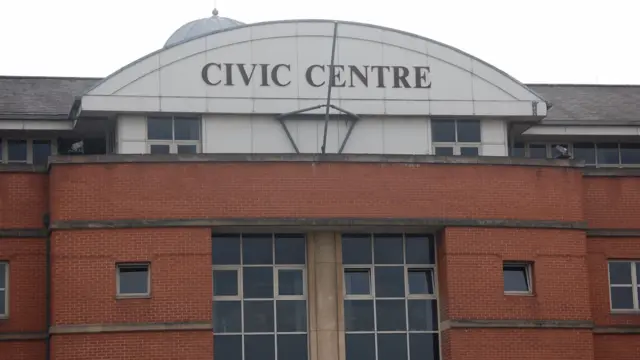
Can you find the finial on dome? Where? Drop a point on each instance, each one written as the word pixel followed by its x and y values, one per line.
pixel 215 12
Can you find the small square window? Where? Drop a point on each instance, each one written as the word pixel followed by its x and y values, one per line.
pixel 420 281
pixel 225 283
pixel 290 282
pixel 357 281
pixel 469 151
pixel 517 278
pixel 133 280
pixel 159 149
pixel 444 151
pixel 17 150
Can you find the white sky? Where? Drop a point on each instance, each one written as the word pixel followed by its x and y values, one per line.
pixel 543 41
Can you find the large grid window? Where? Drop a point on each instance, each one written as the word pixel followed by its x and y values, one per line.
pixel 25 151
pixel 623 285
pixel 4 293
pixel 173 135
pixel 456 137
pixel 390 304
pixel 259 297
pixel 600 154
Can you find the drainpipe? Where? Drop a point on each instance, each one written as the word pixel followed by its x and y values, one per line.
pixel 47 289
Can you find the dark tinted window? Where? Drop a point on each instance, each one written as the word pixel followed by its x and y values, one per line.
pixel 537 151
pixel 357 281
pixel 620 273
pixel 228 347
pixel 607 153
pixel 630 153
pixel 133 279
pixel 225 249
pixel 290 249
pixel 469 151
pixel 388 249
pixel 41 151
pixel 443 130
pixel 356 249
pixel 257 282
pixel 159 149
pixel 187 128
pixel 159 129
pixel 225 283
pixel 444 151
pixel 187 149
pixel 468 131
pixel 622 298
pixel 227 316
pixel 517 150
pixel 585 152
pixel 516 278
pixel 17 150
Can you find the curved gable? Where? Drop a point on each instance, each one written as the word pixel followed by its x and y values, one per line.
pixel 278 67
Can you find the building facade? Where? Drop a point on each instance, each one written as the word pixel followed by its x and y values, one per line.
pixel 317 190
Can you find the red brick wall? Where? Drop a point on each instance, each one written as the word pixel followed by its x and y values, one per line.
pixel 22 350
pixel 617 347
pixel 23 200
pixel 205 190
pixel 520 344
pixel 187 345
pixel 27 304
pixel 84 275
pixel 472 261
pixel 612 202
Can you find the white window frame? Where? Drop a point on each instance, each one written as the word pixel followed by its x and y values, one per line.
pixel 372 295
pixel 5 291
pixel 528 270
pixel 121 265
pixel 456 145
pixel 634 286
pixel 4 146
pixel 173 143
pixel 239 268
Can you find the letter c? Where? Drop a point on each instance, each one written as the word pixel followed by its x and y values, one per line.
pixel 205 73
pixel 310 78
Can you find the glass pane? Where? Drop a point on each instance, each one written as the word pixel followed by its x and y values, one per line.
pixel 225 249
pixel 607 153
pixel 227 317
pixel 388 249
pixel 515 278
pixel 537 151
pixel 360 347
pixel 3 302
pixel 620 272
pixel 391 315
pixel 159 129
pixel 358 315
pixel 389 281
pixel 443 130
pixel 356 249
pixel 290 282
pixel 638 272
pixel 290 249
pixel 423 315
pixel 258 347
pixel 3 276
pixel 555 153
pixel 622 298
pixel 444 151
pixel 517 150
pixel 419 250
pixel 257 249
pixel 392 346
pixel 159 149
pixel 420 281
pixel 17 150
pixel 187 129
pixel 424 347
pixel 469 151
pixel 257 282
pixel 41 151
pixel 225 282
pixel 586 152
pixel 292 347
pixel 630 153
pixel 133 279
pixel 291 315
pixel 357 281
pixel 227 347
pixel 258 316
pixel 187 149
pixel 469 131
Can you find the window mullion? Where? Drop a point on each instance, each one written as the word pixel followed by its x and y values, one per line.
pixel 634 285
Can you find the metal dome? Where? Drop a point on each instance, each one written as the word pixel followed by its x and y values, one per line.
pixel 200 27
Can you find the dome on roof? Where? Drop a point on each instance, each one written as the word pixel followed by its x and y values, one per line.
pixel 200 27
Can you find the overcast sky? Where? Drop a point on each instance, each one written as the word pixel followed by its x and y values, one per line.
pixel 543 41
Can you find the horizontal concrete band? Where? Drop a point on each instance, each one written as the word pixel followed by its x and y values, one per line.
pixel 517 324
pixel 622 329
pixel 616 233
pixel 23 168
pixel 607 172
pixel 110 328
pixel 23 336
pixel 23 233
pixel 222 224
pixel 313 158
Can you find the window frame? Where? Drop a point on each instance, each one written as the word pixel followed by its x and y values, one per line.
pixel 5 312
pixel 634 286
pixel 173 143
pixel 456 145
pixel 528 268
pixel 120 295
pixel 4 149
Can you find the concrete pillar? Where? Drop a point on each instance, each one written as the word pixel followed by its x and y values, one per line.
pixel 325 297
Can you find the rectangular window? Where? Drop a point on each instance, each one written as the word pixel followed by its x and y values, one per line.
pixel 25 151
pixel 456 137
pixel 260 296
pixel 133 280
pixel 623 285
pixel 390 303
pixel 4 290
pixel 17 151
pixel 173 135
pixel 517 278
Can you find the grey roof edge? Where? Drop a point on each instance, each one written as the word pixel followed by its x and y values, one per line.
pixel 324 21
pixel 45 77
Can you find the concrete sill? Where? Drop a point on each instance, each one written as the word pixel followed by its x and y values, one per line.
pixel 526 294
pixel 625 312
pixel 132 297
